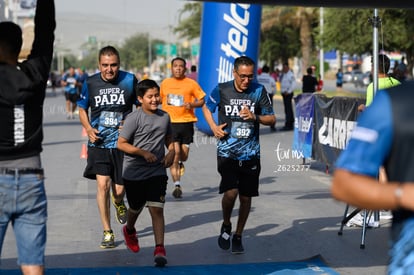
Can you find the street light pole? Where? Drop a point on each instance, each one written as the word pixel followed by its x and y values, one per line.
pixel 376 22
pixel 149 51
pixel 321 53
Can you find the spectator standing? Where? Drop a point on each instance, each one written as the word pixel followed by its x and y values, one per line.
pixel 339 79
pixel 145 133
pixel 287 85
pixel 319 88
pixel 82 76
pixel 395 70
pixel 22 189
pixel 193 73
pixel 309 82
pixel 70 86
pixel 270 85
pixel 180 95
pixel 53 78
pixel 384 80
pixel 238 147
pixel 382 138
pixel 313 68
pixel 276 76
pixel 402 70
pixel 110 95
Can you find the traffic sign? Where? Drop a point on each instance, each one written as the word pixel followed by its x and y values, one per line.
pixel 166 49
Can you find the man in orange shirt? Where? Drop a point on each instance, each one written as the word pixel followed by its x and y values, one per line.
pixel 180 95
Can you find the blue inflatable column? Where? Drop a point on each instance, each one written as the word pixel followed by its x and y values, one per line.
pixel 228 30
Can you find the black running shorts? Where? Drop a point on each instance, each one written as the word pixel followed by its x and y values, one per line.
pixel 241 175
pixel 104 162
pixel 183 132
pixel 150 192
pixel 72 97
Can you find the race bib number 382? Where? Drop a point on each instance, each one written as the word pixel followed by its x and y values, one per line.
pixel 242 129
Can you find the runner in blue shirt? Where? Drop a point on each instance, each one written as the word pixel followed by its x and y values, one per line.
pixel 110 95
pixel 384 136
pixel 242 105
pixel 69 82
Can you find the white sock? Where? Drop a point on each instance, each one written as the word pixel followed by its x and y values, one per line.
pixel 177 183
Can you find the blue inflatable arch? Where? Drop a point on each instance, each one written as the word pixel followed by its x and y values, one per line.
pixel 228 30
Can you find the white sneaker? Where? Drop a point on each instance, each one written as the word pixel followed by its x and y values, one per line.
pixel 385 215
pixel 358 220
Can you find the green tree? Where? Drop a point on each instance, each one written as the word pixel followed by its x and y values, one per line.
pixel 278 41
pixel 299 19
pixel 135 51
pixel 351 31
pixel 408 46
pixel 286 31
pixel 90 60
pixel 347 30
pixel 189 26
pixel 70 61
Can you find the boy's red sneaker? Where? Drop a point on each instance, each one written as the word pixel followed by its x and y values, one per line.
pixel 160 258
pixel 131 240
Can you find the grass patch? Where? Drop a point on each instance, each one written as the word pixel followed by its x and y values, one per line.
pixel 344 93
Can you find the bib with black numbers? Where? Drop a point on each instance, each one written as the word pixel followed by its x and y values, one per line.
pixel 175 100
pixel 241 129
pixel 110 119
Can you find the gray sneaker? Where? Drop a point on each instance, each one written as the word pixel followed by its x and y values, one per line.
pixel 108 239
pixel 177 193
pixel 121 210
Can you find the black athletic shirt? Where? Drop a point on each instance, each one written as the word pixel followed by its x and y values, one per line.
pixel 22 91
pixel 109 102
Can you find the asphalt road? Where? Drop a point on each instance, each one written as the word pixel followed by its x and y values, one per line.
pixel 294 217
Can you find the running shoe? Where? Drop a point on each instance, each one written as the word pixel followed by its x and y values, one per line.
pixel 358 220
pixel 177 193
pixel 121 210
pixel 236 245
pixel 224 238
pixel 385 215
pixel 182 168
pixel 131 240
pixel 108 239
pixel 160 259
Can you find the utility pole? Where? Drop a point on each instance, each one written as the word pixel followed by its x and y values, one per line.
pixel 149 51
pixel 376 23
pixel 321 53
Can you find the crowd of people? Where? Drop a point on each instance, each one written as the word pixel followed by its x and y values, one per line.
pixel 120 116
pixel 132 141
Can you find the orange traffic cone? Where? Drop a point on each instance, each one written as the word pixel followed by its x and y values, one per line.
pixel 84 133
pixel 84 152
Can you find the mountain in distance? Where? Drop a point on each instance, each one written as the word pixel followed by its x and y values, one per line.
pixel 74 29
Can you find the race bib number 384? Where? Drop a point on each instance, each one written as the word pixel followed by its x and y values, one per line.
pixel 110 119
